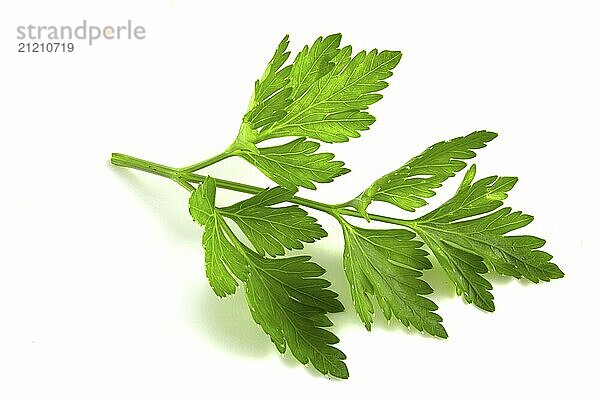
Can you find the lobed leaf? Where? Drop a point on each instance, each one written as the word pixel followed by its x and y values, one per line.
pixel 468 239
pixel 223 260
pixel 296 164
pixel 386 264
pixel 287 297
pixel 272 230
pixel 322 95
pixel 288 300
pixel 330 109
pixel 409 186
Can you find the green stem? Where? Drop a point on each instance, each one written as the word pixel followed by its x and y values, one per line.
pixel 184 178
pixel 123 160
pixel 380 218
pixel 203 164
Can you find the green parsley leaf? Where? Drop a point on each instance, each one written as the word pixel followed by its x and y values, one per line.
pixel 289 301
pixel 468 247
pixel 296 164
pixel 287 296
pixel 274 229
pixel 330 109
pixel 321 95
pixel 220 254
pixel 386 264
pixel 409 186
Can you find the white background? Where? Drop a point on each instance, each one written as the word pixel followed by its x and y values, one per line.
pixel 102 287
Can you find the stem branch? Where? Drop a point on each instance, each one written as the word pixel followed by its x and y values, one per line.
pixel 207 162
pixel 184 177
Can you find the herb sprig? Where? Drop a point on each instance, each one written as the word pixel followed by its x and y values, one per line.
pixel 324 96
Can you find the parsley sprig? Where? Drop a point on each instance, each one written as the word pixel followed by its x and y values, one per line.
pixel 323 95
